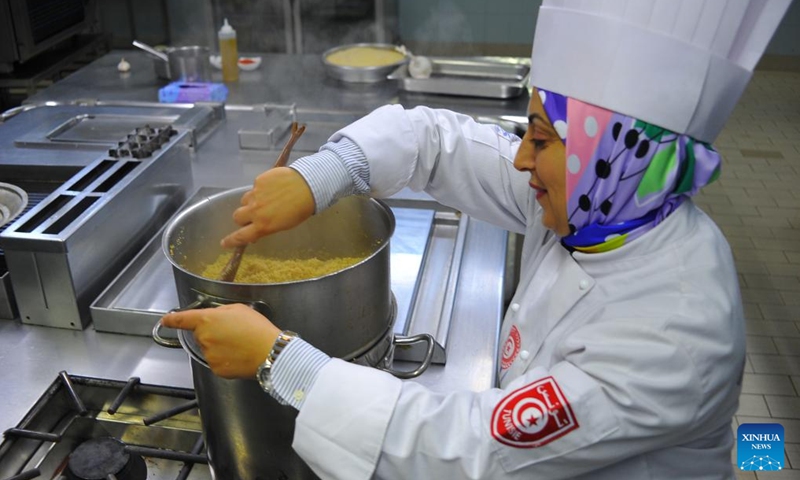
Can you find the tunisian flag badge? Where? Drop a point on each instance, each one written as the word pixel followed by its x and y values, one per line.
pixel 533 415
pixel 510 348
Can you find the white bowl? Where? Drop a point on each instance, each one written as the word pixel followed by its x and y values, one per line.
pixel 216 62
pixel 250 63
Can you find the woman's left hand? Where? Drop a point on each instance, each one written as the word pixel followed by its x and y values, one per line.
pixel 235 339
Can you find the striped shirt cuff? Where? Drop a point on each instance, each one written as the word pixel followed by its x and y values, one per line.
pixel 295 371
pixel 339 169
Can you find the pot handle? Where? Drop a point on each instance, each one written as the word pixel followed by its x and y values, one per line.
pixel 426 362
pixel 169 342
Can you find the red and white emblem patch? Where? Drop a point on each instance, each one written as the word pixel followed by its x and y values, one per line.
pixel 533 416
pixel 510 348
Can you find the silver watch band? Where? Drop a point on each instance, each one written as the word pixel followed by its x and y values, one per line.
pixel 264 373
pixel 283 339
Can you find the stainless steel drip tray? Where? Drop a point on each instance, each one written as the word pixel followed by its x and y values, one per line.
pixel 103 128
pixel 83 129
pixel 426 251
pixel 100 127
pixel 485 77
pixel 145 289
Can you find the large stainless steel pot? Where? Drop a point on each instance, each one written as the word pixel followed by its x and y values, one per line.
pixel 248 434
pixel 342 313
pixel 348 314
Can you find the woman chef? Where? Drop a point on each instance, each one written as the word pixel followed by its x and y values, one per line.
pixel 623 347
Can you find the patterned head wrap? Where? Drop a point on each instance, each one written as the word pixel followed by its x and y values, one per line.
pixel 624 176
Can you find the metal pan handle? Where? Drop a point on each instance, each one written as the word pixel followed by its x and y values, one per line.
pixel 171 342
pixel 426 362
pixel 201 302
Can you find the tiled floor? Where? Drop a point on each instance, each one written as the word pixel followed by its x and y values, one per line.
pixel 756 203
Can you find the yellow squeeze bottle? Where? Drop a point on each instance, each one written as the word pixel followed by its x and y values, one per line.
pixel 229 53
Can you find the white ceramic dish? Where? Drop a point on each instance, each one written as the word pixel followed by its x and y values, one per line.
pixel 245 63
pixel 249 63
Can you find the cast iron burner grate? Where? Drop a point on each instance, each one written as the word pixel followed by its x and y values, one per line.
pixel 86 428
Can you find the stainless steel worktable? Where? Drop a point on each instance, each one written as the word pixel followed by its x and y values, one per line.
pixel 32 356
pixel 281 79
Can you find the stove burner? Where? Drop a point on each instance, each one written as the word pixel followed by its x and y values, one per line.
pixel 100 458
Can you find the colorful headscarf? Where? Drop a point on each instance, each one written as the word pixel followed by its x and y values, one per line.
pixel 624 176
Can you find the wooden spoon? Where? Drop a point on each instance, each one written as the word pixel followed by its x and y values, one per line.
pixel 229 272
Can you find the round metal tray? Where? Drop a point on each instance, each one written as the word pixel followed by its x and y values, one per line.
pixel 13 200
pixel 363 74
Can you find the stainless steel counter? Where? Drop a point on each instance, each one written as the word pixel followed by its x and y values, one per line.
pixel 31 356
pixel 281 79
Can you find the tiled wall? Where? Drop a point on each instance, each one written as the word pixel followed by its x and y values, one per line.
pixel 756 203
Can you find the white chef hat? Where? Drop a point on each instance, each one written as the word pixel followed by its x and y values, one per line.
pixel 678 64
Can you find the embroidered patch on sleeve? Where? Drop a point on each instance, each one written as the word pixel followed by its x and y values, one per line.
pixel 510 348
pixel 533 415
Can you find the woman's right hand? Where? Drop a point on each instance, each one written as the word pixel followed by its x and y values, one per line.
pixel 235 339
pixel 280 199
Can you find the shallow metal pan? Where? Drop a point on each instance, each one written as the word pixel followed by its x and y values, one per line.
pixel 363 74
pixel 471 77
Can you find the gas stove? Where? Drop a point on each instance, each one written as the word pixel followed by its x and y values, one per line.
pixel 92 428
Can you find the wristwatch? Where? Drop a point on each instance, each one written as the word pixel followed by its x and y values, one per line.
pixel 264 372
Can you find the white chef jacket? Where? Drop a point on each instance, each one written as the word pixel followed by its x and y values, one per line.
pixel 618 365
